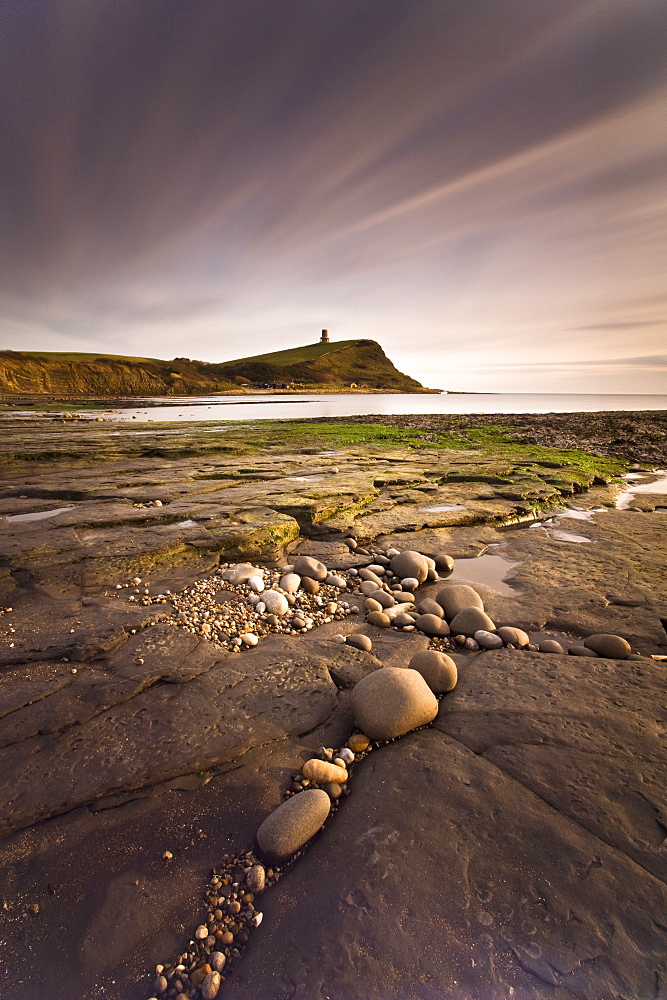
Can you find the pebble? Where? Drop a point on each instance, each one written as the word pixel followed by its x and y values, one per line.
pixel 581 651
pixel 255 879
pixel 241 572
pixel 384 599
pixel 311 568
pixel 404 597
pixel 358 743
pixel 409 583
pixel 471 620
pixel 614 647
pixel 431 625
pixel 392 701
pixel 249 639
pixel 550 646
pixel 402 620
pixel 430 607
pixel 471 644
pixel 399 609
pixel 338 637
pixel 488 640
pixel 160 985
pixel 256 583
pixel 293 823
pixel 410 564
pixel 217 961
pixel 333 790
pixel 322 772
pixel 336 581
pixel 516 636
pixel 211 986
pixel 456 597
pixel 445 564
pixel 390 553
pixel 275 603
pixel 346 755
pixel 367 575
pixel 378 619
pixel 372 605
pixel 438 670
pixel 351 543
pixel 309 585
pixel 201 932
pixel 359 641
pixel 290 583
pixel 257 919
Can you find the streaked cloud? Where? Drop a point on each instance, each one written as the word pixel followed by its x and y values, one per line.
pixel 483 195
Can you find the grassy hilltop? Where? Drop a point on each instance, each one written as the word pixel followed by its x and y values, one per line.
pixel 318 367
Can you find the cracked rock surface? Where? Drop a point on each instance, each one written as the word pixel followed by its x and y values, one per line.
pixel 515 848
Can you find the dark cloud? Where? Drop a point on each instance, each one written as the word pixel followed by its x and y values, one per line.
pixel 487 174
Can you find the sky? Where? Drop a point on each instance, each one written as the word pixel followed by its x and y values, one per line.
pixel 479 185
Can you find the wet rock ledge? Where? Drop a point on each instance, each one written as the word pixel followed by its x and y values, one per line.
pixel 512 845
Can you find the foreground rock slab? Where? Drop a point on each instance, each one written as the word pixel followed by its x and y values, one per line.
pixel 433 826
pixel 141 731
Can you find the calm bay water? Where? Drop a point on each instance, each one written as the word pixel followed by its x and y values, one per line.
pixel 279 407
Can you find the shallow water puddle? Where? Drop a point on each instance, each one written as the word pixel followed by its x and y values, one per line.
pixel 38 515
pixel 580 515
pixel 642 483
pixel 436 508
pixel 489 570
pixel 304 479
pixel 558 535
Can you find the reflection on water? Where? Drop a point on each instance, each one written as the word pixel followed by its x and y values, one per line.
pixel 489 570
pixel 575 514
pixel 648 484
pixel 437 507
pixel 285 406
pixel 558 535
pixel 38 515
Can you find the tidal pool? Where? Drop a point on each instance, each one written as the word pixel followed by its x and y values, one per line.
pixel 37 515
pixel 489 570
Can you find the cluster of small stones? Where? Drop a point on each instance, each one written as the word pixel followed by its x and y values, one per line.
pixel 242 623
pixel 324 778
pixel 231 916
pixel 341 762
pixel 231 894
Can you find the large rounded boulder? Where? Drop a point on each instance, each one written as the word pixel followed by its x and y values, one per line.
pixel 292 824
pixel 614 647
pixel 410 564
pixel 438 670
pixel 392 701
pixel 455 597
pixel 469 621
pixel 311 568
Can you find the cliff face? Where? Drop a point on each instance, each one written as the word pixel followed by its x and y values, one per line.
pixel 359 362
pixel 25 374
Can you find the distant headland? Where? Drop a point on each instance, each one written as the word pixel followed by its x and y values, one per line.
pixel 339 366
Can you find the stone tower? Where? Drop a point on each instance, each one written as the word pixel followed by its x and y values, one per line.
pixel 324 339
